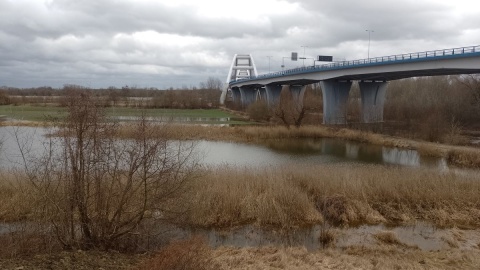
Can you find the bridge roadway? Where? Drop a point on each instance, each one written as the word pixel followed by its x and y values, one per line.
pixel 373 75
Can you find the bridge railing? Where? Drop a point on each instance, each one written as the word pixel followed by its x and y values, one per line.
pixel 370 61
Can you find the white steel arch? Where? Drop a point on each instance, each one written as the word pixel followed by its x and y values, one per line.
pixel 243 67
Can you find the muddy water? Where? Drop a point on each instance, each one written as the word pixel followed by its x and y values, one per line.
pixel 420 235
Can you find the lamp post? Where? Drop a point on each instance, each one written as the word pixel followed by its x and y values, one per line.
pixel 269 57
pixel 283 62
pixel 369 32
pixel 304 53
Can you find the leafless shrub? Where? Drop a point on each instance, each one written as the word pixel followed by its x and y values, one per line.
pixel 289 110
pixel 96 189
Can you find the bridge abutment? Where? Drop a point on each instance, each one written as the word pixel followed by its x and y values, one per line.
pixel 335 96
pixel 373 100
pixel 273 94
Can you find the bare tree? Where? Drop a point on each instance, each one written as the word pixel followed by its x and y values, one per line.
pixel 289 110
pixel 212 84
pixel 96 188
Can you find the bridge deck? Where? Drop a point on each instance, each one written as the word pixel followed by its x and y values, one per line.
pixel 375 68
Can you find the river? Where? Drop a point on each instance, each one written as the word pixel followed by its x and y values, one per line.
pixel 271 153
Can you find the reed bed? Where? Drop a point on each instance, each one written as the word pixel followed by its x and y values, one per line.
pixel 295 196
pixel 340 195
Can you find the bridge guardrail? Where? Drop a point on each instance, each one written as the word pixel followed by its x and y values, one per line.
pixel 368 61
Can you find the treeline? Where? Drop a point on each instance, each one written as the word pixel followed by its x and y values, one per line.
pixel 205 96
pixel 439 109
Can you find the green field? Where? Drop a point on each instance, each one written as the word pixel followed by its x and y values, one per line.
pixel 42 113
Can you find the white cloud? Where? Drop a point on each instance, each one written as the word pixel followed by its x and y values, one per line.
pixel 155 43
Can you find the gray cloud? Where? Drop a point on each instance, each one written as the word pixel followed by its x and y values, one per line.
pixel 100 43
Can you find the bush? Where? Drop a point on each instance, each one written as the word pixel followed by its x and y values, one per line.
pixel 96 189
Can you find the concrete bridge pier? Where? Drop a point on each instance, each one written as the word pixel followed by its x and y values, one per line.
pixel 373 100
pixel 236 95
pixel 262 94
pixel 335 96
pixel 248 95
pixel 273 94
pixel 298 92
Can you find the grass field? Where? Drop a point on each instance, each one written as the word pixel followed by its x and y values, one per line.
pixel 41 113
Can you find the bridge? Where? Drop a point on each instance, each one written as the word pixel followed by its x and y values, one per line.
pixel 372 74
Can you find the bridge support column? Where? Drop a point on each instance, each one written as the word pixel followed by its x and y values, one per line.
pixel 335 96
pixel 262 94
pixel 298 92
pixel 273 94
pixel 373 100
pixel 236 95
pixel 248 95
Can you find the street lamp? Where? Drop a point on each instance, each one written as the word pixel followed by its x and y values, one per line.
pixel 369 32
pixel 283 62
pixel 304 53
pixel 269 63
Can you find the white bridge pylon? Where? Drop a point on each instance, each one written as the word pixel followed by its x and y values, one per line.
pixel 242 67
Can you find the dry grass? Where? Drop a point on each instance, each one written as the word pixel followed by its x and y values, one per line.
pixel 192 253
pixel 229 197
pixel 385 257
pixel 388 237
pixel 358 194
pixel 16 198
pixel 293 196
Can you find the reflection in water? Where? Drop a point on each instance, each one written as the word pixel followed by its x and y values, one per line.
pixel 278 152
pixel 352 150
pixel 400 156
pixel 346 151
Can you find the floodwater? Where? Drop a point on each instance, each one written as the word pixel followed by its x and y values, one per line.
pixel 278 153
pixel 421 235
pixel 272 153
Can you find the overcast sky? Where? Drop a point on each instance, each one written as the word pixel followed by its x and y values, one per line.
pixel 176 43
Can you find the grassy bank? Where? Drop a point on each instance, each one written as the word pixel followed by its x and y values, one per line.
pixel 42 113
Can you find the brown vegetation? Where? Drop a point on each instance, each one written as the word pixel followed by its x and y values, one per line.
pixel 302 195
pixel 352 258
pixel 95 190
pixel 192 253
